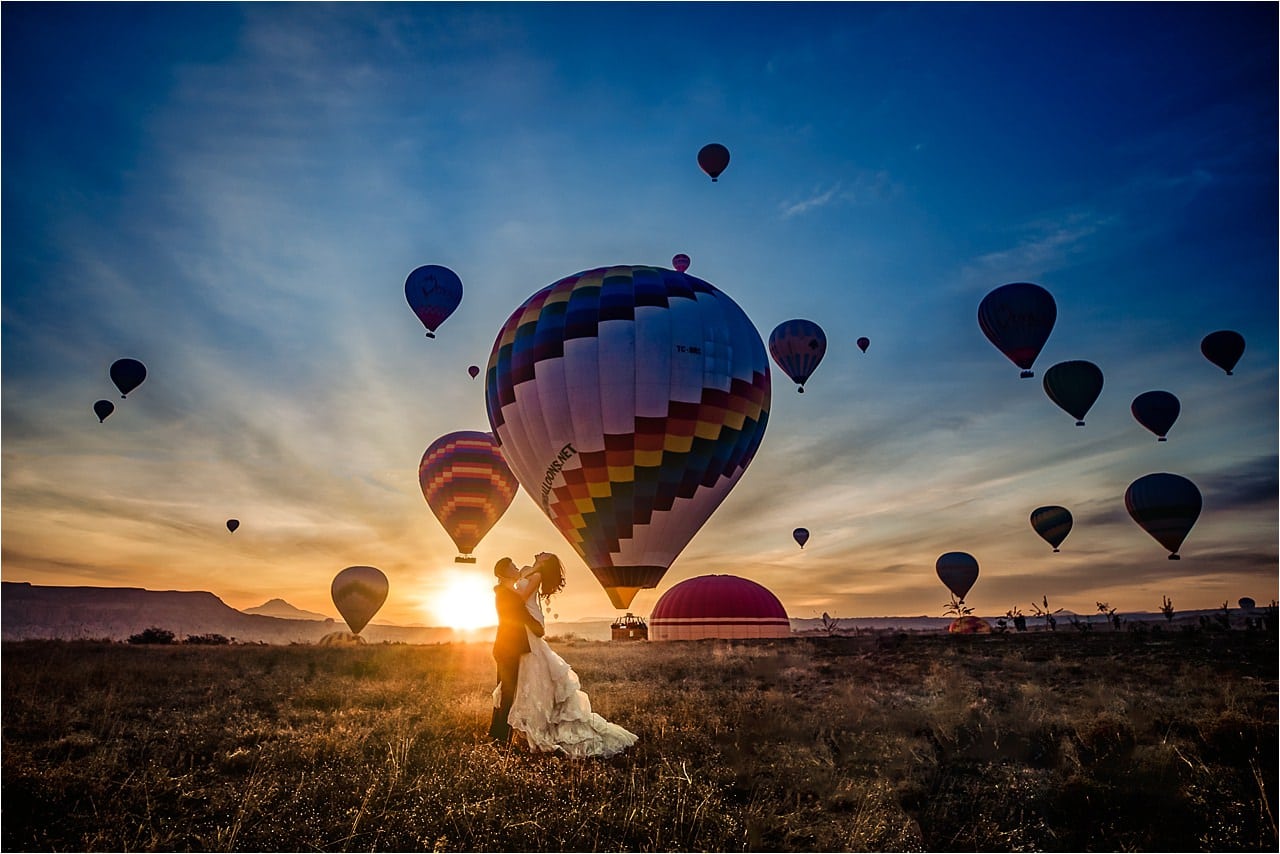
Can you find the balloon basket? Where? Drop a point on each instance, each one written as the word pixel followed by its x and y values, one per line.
pixel 1079 423
pixel 1162 439
pixel 1025 374
pixel 1175 557
pixel 431 335
pixel 464 559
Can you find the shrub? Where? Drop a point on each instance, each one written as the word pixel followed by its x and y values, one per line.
pixel 208 640
pixel 152 635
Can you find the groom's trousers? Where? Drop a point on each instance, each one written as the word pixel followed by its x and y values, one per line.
pixel 508 677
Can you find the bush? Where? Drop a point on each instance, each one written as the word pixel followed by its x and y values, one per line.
pixel 152 635
pixel 208 640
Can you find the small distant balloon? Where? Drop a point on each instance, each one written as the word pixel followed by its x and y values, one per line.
pixel 232 524
pixel 1074 386
pixel 433 293
pixel 1246 603
pixel 797 346
pixel 474 370
pixel 1017 318
pixel 1156 410
pixel 713 158
pixel 958 570
pixel 1166 506
pixel 864 343
pixel 1224 348
pixel 358 592
pixel 680 262
pixel 127 374
pixel 102 409
pixel 1052 523
pixel 801 536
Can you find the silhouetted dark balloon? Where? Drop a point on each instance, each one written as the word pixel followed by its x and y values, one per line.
pixel 1246 603
pixel 713 158
pixel 102 409
pixel 801 536
pixel 958 570
pixel 1224 348
pixel 474 370
pixel 1156 410
pixel 433 293
pixel 864 343
pixel 1166 506
pixel 127 374
pixel 680 262
pixel 1052 523
pixel 1017 318
pixel 1074 386
pixel 797 346
pixel 232 524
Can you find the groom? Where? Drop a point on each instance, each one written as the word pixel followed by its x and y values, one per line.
pixel 509 644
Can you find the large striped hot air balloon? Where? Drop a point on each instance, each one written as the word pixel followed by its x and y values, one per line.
pixel 1166 506
pixel 1074 386
pixel 798 346
pixel 1017 318
pixel 628 401
pixel 468 485
pixel 1052 523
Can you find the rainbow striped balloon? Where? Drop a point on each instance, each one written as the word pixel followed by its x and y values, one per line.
pixel 468 485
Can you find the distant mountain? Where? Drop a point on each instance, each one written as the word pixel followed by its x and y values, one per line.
pixel 282 609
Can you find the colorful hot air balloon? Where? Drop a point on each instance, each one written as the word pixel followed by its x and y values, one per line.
pixel 1166 506
pixel 1074 386
pixel 1246 603
pixel 798 346
pixel 649 400
pixel 358 592
pixel 969 625
pixel 232 524
pixel 680 262
pixel 801 536
pixel 1018 318
pixel 1156 410
pixel 102 409
pixel 127 374
pixel 864 343
pixel 474 370
pixel 713 158
pixel 468 485
pixel 1052 523
pixel 433 293
pixel 1224 348
pixel 958 570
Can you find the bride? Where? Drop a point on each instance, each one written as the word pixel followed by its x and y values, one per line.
pixel 551 711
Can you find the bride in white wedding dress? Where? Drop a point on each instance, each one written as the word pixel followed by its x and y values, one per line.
pixel 551 710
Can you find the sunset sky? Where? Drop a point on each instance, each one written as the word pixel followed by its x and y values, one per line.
pixel 234 194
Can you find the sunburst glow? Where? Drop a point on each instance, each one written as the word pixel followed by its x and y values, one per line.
pixel 466 602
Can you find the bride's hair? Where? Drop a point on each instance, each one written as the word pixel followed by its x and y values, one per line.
pixel 549 566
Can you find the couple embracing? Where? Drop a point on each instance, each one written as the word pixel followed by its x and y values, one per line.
pixel 538 694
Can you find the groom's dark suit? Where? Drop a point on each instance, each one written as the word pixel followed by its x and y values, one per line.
pixel 509 644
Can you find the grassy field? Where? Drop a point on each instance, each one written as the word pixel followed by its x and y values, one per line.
pixel 1041 741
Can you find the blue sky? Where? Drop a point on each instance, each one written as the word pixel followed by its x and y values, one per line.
pixel 234 194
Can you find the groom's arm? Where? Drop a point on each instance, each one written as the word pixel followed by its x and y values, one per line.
pixel 534 626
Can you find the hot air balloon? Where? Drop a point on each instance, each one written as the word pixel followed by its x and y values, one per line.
pixel 798 346
pixel 1224 348
pixel 468 485
pixel 232 524
pixel 433 293
pixel 1052 523
pixel 649 400
pixel 680 262
pixel 127 374
pixel 359 592
pixel 474 370
pixel 969 625
pixel 801 536
pixel 1166 506
pixel 1074 386
pixel 958 570
pixel 1246 603
pixel 102 409
pixel 713 158
pixel 1156 410
pixel 1018 318
pixel 864 343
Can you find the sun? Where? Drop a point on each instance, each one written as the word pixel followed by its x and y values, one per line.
pixel 466 602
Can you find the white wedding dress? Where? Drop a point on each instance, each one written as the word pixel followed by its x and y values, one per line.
pixel 552 711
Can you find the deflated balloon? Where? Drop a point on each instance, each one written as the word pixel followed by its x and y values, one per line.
pixel 1074 386
pixel 628 401
pixel 713 158
pixel 433 293
pixel 969 625
pixel 801 536
pixel 232 524
pixel 358 592
pixel 680 262
pixel 958 570
pixel 1156 410
pixel 468 486
pixel 798 346
pixel 1017 318
pixel 1166 506
pixel 1246 603
pixel 127 374
pixel 864 343
pixel 102 409
pixel 474 370
pixel 1052 523
pixel 1224 348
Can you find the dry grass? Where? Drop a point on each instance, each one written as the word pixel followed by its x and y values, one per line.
pixel 1030 742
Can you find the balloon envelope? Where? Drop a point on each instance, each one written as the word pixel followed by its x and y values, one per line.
pixel 680 262
pixel 969 625
pixel 864 343
pixel 1074 386
pixel 127 374
pixel 1052 523
pixel 801 536
pixel 649 400
pixel 474 370
pixel 1224 348
pixel 1017 318
pixel 1156 410
pixel 102 409
pixel 1246 603
pixel 958 570
pixel 358 592
pixel 468 485
pixel 1166 506
pixel 798 346
pixel 713 158
pixel 232 524
pixel 433 293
